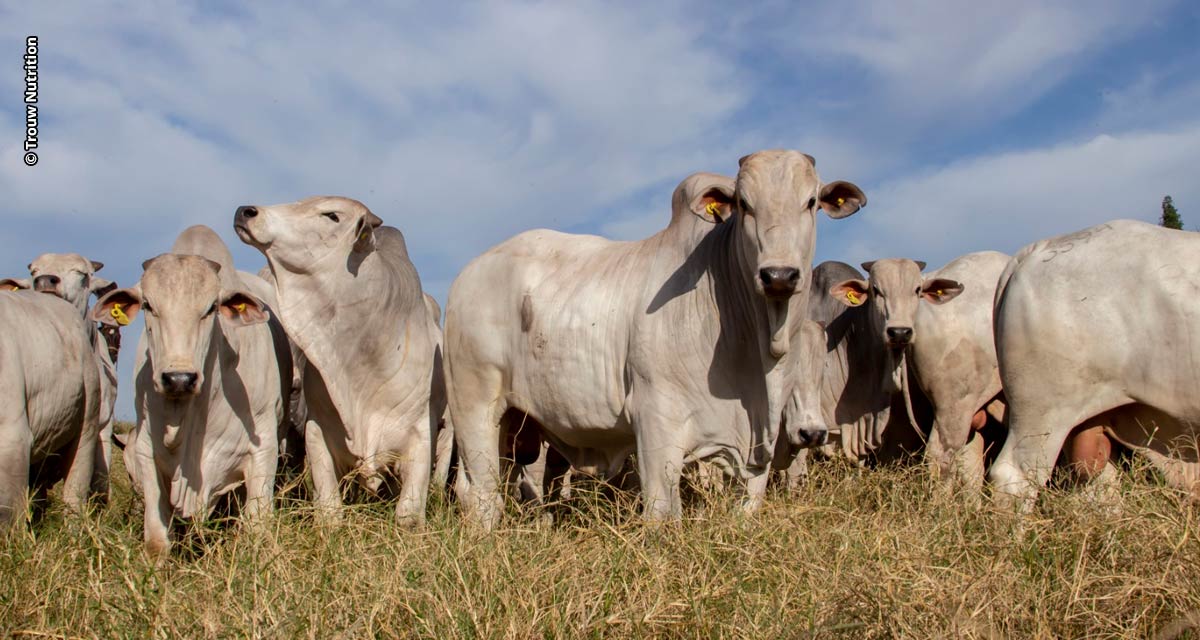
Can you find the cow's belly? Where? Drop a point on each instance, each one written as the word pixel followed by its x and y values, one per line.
pixel 55 417
pixel 573 388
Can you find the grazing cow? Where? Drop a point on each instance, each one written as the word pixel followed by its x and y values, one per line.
pixel 209 384
pixel 73 278
pixel 669 347
pixel 49 402
pixel 870 327
pixel 1094 329
pixel 804 407
pixel 351 299
pixel 954 364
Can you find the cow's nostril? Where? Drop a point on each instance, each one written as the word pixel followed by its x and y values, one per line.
pixel 779 280
pixel 179 382
pixel 247 212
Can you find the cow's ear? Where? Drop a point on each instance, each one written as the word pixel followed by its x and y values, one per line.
pixel 941 290
pixel 715 205
pixel 852 293
pixel 118 308
pixel 840 199
pixel 243 309
pixel 15 284
pixel 100 287
pixel 365 240
pixel 920 264
pixel 97 265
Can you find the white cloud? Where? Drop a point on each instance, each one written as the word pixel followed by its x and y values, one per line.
pixel 1005 201
pixel 944 63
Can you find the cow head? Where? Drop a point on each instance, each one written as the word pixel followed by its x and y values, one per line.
pixel 69 276
pixel 776 196
pixel 806 425
pixel 182 299
pixel 891 293
pixel 303 235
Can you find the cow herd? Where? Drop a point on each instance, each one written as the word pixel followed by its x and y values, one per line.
pixel 714 340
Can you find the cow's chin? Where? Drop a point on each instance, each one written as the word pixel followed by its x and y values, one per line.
pixel 245 235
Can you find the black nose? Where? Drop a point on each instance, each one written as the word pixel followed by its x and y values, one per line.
pixel 45 283
pixel 179 382
pixel 899 335
pixel 247 212
pixel 813 437
pixel 779 281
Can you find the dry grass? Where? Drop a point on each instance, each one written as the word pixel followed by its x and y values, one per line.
pixel 880 554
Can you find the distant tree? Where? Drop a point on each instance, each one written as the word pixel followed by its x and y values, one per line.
pixel 1170 217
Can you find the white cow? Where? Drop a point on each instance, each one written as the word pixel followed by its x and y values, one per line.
pixel 351 299
pixel 870 329
pixel 49 402
pixel 209 384
pixel 1094 329
pixel 73 278
pixel 670 347
pixel 954 363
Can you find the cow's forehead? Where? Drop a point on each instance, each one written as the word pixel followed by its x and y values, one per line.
pixel 776 171
pixel 895 272
pixel 328 203
pixel 60 262
pixel 175 276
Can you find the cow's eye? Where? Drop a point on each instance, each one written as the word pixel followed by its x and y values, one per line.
pixel 743 206
pixel 332 215
pixel 917 291
pixel 147 308
pixel 211 310
pixel 876 292
pixel 812 202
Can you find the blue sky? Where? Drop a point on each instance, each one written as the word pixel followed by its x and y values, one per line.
pixel 969 126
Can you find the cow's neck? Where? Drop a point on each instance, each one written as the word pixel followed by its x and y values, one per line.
pixel 760 328
pixel 341 321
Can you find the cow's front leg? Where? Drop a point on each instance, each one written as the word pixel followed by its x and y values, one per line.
pixel 756 489
pixel 326 483
pixel 414 470
pixel 660 467
pixel 260 477
pixel 156 522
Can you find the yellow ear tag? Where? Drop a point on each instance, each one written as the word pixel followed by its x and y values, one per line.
pixel 118 314
pixel 16 288
pixel 841 201
pixel 713 209
pixel 850 295
pixel 240 308
pixel 939 293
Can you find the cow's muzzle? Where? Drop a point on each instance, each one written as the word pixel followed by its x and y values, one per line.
pixel 779 282
pixel 813 436
pixel 47 284
pixel 899 337
pixel 177 384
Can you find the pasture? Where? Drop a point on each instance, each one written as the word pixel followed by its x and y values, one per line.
pixel 879 554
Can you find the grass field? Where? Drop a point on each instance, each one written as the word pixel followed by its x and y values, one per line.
pixel 878 554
